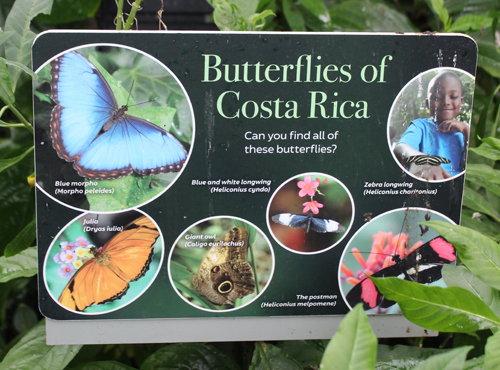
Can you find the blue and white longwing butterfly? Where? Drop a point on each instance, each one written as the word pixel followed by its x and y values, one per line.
pixel 308 220
pixel 88 128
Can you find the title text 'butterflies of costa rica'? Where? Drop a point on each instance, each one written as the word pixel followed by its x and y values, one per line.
pixel 105 278
pixel 88 128
pixel 423 266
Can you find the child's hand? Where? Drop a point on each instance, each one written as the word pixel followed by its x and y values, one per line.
pixel 455 126
pixel 428 172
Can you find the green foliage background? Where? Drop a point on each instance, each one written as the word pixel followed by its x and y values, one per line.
pixel 467 312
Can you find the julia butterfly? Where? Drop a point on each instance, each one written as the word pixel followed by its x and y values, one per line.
pixel 423 265
pixel 105 278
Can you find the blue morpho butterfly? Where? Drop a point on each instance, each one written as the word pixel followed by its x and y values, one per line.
pixel 320 225
pixel 88 128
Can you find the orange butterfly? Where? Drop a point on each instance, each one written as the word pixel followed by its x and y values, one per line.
pixel 105 278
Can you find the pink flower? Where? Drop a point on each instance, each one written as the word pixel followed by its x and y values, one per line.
pixel 66 270
pixel 81 242
pixel 307 187
pixel 67 256
pixel 313 206
pixel 326 181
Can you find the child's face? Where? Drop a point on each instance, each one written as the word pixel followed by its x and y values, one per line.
pixel 445 99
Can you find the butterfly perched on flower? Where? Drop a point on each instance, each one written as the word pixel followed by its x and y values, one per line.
pixel 422 265
pixel 105 278
pixel 89 128
pixel 308 221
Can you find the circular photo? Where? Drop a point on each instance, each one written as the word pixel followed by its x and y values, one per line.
pixel 113 128
pixel 101 262
pixel 221 263
pixel 393 244
pixel 429 124
pixel 310 213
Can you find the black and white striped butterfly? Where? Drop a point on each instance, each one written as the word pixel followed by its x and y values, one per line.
pixel 422 159
pixel 320 225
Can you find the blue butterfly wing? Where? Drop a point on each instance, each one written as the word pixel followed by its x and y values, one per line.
pixel 89 129
pixel 85 103
pixel 131 144
pixel 322 225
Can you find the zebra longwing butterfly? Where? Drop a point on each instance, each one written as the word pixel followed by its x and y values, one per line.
pixel 422 159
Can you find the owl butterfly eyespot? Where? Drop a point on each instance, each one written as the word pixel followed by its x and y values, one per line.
pixel 224 274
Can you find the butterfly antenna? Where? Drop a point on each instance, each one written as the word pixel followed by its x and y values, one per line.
pixel 130 92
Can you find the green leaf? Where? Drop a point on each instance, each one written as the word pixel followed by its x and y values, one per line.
pixel 32 353
pixel 485 171
pixel 489 57
pixel 450 309
pixel 69 11
pixel 487 151
pixel 438 7
pixel 402 357
pixel 228 17
pixel 4 36
pixel 269 357
pixel 354 346
pixel 318 8
pixel 22 67
pixel 18 47
pixel 106 365
pixel 6 92
pixel 6 163
pixel 461 276
pixel 127 192
pixel 293 16
pixel 258 21
pixel 23 264
pixel 189 356
pixel 474 200
pixel 481 123
pixel 22 241
pixel 452 360
pixel 493 142
pixel 471 22
pixel 474 363
pixel 377 17
pixel 492 353
pixel 478 252
pixel 307 352
pixel 482 182
pixel 24 318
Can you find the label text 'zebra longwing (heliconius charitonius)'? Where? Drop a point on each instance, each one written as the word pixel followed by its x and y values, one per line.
pixel 423 266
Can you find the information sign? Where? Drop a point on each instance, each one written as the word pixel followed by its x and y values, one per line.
pixel 187 175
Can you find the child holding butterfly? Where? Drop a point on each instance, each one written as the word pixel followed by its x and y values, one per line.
pixel 440 135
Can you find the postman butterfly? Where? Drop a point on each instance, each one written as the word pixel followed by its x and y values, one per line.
pixel 88 127
pixel 423 266
pixel 422 159
pixel 320 225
